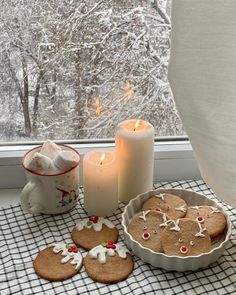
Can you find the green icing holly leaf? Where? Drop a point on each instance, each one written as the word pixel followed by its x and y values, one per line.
pixel 104 244
pixel 89 223
pixel 67 246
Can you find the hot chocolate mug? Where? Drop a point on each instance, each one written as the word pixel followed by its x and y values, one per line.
pixel 50 193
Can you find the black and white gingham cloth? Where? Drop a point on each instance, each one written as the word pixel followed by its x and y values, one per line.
pixel 22 236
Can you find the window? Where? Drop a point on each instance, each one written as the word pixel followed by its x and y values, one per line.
pixel 75 69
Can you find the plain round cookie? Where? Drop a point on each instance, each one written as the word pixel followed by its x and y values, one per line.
pixel 172 205
pixel 146 228
pixel 185 237
pixel 210 217
pixel 48 265
pixel 87 237
pixel 114 270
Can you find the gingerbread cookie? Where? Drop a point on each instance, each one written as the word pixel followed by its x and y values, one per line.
pixel 108 263
pixel 58 262
pixel 210 217
pixel 185 237
pixel 172 205
pixel 146 228
pixel 92 231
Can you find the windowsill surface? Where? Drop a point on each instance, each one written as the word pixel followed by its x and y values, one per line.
pixel 9 197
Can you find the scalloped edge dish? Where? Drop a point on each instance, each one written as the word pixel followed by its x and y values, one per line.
pixel 174 263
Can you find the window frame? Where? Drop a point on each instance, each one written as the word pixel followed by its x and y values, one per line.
pixel 173 159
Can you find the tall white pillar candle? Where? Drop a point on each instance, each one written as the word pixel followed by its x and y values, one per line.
pixel 100 183
pixel 135 158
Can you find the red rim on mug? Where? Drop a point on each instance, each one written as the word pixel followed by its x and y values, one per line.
pixel 57 174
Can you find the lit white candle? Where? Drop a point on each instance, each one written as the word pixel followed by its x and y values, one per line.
pixel 135 158
pixel 100 183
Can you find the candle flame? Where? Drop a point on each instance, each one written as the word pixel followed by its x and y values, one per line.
pixel 97 104
pixel 136 125
pixel 102 158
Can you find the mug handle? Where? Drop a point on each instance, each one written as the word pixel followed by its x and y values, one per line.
pixel 25 195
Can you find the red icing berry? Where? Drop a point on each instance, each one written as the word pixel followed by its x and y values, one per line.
pixel 113 246
pixel 158 209
pixel 200 219
pixel 91 219
pixel 183 249
pixel 73 249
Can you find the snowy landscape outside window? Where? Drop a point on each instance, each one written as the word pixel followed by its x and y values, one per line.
pixel 74 69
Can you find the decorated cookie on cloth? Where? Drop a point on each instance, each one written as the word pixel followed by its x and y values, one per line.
pixel 58 262
pixel 172 205
pixel 92 231
pixel 185 237
pixel 108 263
pixel 146 227
pixel 210 217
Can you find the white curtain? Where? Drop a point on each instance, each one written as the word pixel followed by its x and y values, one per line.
pixel 202 75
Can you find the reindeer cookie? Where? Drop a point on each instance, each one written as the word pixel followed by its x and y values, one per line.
pixel 58 262
pixel 92 231
pixel 185 237
pixel 172 205
pixel 108 263
pixel 146 228
pixel 210 217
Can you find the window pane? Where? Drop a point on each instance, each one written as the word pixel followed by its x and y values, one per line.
pixel 75 69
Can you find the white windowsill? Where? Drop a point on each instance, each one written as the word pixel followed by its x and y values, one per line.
pixel 174 160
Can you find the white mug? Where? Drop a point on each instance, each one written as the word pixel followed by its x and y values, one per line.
pixel 50 193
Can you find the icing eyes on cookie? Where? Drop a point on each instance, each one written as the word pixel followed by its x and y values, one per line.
pixel 146 235
pixel 191 243
pixel 154 232
pixel 183 249
pixel 200 219
pixel 145 227
pixel 180 240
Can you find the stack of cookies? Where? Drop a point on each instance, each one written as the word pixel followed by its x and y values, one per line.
pixel 166 224
pixel 106 261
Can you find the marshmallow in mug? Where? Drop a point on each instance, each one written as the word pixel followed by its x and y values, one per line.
pixel 50 149
pixel 40 163
pixel 52 159
pixel 65 160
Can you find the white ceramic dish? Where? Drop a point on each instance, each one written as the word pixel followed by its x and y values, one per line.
pixel 162 260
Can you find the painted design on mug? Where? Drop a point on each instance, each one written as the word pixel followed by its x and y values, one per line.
pixel 94 222
pixel 110 249
pixel 67 196
pixel 70 252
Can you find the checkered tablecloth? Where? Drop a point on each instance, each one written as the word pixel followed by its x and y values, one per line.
pixel 22 236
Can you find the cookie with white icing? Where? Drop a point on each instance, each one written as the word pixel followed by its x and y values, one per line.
pixel 146 227
pixel 92 231
pixel 210 217
pixel 108 263
pixel 58 262
pixel 185 237
pixel 170 204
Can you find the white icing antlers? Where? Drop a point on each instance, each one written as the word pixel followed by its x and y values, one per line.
pixel 176 225
pixel 201 230
pixel 165 220
pixel 144 213
pixel 182 208
pixel 161 196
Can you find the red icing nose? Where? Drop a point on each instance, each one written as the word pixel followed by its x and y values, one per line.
pixel 200 219
pixel 146 235
pixel 158 209
pixel 183 249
